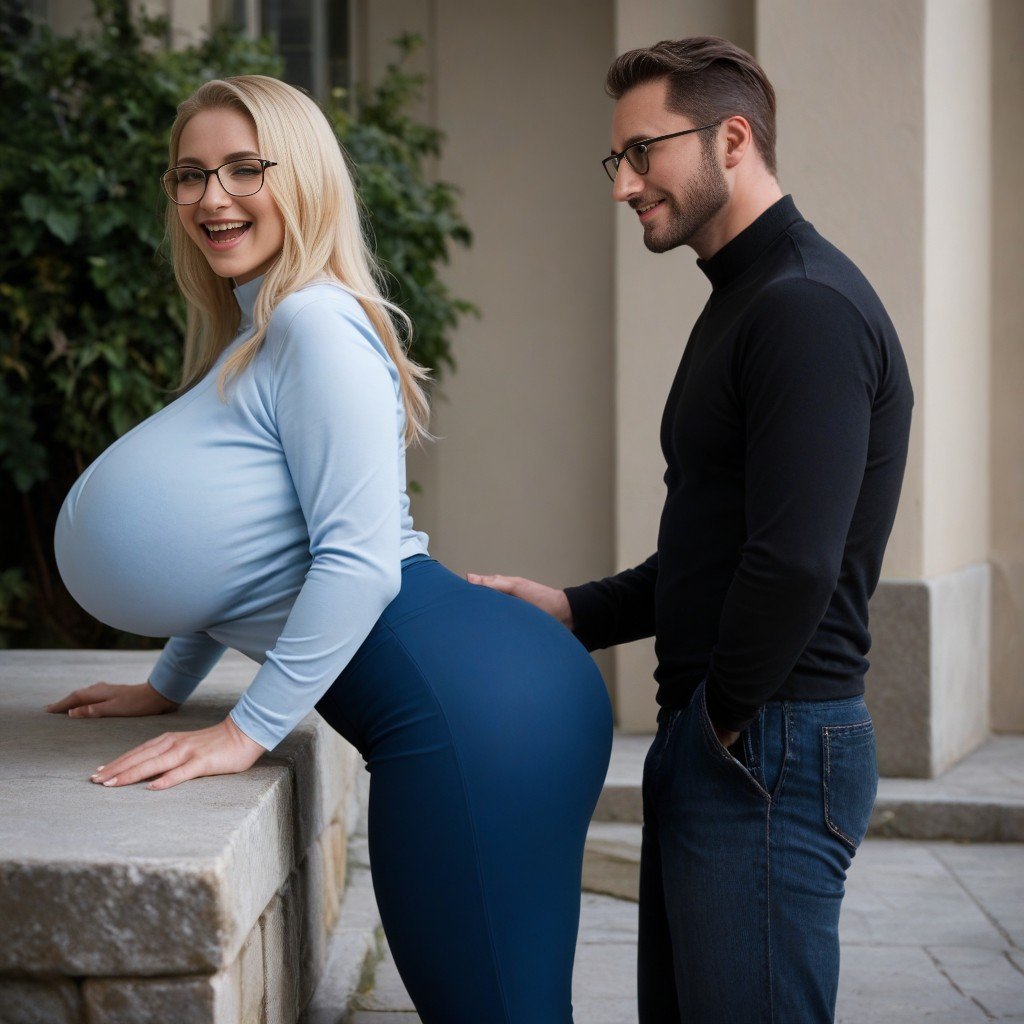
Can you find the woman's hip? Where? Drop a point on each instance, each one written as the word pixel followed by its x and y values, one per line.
pixel 452 661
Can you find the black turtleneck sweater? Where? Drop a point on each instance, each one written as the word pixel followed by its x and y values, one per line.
pixel 785 437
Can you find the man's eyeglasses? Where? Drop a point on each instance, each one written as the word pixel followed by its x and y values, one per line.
pixel 186 184
pixel 637 155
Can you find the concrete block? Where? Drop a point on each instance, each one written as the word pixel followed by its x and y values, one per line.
pixel 31 1001
pixel 251 980
pixel 336 867
pixel 928 688
pixel 310 899
pixel 611 860
pixel 203 999
pixel 322 767
pixel 120 883
pixel 280 944
pixel 354 948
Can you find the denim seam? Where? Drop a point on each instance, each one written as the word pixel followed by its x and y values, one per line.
pixel 788 731
pixel 472 822
pixel 768 894
pixel 826 731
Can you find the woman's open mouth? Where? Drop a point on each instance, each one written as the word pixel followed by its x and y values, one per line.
pixel 225 235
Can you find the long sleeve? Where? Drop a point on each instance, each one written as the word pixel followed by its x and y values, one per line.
pixel 183 664
pixel 807 377
pixel 338 417
pixel 617 609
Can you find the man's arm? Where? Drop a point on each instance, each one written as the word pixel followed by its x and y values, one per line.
pixel 807 379
pixel 617 609
pixel 606 612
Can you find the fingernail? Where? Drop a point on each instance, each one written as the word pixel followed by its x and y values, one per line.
pixel 100 767
pixel 110 782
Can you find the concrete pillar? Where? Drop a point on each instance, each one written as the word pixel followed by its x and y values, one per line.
pixel 657 299
pixel 1007 465
pixel 884 140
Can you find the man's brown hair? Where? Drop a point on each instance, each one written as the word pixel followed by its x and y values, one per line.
pixel 709 79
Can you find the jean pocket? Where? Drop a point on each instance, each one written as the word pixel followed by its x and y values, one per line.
pixel 717 749
pixel 849 779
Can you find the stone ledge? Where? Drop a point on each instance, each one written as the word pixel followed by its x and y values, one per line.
pixel 222 886
pixel 981 799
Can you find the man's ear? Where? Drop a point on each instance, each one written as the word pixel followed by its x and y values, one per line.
pixel 737 138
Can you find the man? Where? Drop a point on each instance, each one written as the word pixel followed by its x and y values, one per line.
pixel 785 437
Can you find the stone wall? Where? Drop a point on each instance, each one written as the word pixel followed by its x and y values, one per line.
pixel 209 903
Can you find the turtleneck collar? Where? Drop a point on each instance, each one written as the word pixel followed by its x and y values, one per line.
pixel 742 251
pixel 245 296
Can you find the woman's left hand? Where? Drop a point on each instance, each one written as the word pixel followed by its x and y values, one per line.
pixel 175 757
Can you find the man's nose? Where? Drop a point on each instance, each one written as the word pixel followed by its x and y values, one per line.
pixel 627 183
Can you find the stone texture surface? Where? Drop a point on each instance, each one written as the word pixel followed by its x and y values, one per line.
pixel 310 899
pixel 354 949
pixel 928 685
pixel 131 882
pixel 611 860
pixel 53 1001
pixel 280 942
pixel 250 978
pixel 930 932
pixel 961 644
pixel 899 682
pixel 203 999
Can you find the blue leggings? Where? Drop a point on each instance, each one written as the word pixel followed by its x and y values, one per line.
pixel 487 730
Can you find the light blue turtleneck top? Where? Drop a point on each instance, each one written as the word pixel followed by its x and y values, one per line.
pixel 274 523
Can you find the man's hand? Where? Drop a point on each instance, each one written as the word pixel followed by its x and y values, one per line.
pixel 547 599
pixel 177 757
pixel 111 700
pixel 725 737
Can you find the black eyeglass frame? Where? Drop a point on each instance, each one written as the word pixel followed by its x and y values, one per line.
pixel 611 163
pixel 206 172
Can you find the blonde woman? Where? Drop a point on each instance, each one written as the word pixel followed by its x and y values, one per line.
pixel 265 509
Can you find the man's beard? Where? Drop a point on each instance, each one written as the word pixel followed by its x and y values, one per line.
pixel 703 197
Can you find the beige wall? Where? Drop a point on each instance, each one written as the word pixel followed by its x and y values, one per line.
pixel 657 299
pixel 521 480
pixel 851 151
pixel 1007 376
pixel 956 278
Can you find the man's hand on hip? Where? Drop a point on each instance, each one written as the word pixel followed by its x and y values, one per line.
pixel 547 599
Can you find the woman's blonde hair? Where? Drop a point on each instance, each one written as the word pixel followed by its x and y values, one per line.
pixel 314 192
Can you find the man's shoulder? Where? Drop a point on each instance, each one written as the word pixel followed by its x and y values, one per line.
pixel 811 276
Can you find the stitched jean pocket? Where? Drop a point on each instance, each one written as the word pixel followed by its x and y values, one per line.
pixel 714 745
pixel 849 779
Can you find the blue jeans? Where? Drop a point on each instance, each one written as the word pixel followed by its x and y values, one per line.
pixel 744 860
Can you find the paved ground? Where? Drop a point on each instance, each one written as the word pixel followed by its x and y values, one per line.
pixel 932 932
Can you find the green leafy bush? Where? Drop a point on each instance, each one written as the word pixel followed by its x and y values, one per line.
pixel 90 319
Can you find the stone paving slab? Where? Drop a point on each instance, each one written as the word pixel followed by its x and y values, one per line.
pixel 930 931
pixel 129 881
pixel 981 799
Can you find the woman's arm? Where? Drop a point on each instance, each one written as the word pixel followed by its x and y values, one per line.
pixel 338 416
pixel 183 664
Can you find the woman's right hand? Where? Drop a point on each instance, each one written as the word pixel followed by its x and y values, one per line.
pixel 112 700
